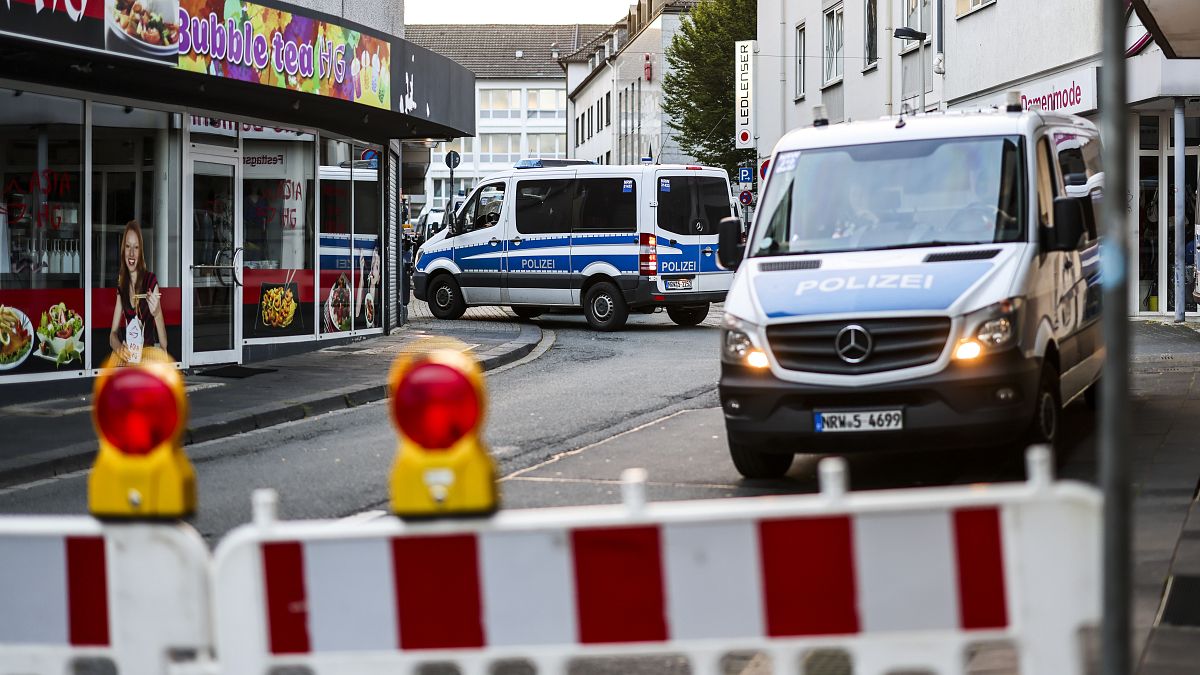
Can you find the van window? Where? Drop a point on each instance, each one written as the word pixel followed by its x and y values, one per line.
pixel 483 211
pixel 1045 183
pixel 1079 162
pixel 900 194
pixel 544 206
pixel 607 205
pixel 692 204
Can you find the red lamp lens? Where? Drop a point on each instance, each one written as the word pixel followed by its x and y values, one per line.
pixel 136 411
pixel 435 405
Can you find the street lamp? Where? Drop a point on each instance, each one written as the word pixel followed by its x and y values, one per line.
pixel 906 33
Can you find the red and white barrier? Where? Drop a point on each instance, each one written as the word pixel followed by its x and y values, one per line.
pixel 75 588
pixel 896 578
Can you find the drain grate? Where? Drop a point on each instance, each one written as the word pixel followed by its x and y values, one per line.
pixel 1183 601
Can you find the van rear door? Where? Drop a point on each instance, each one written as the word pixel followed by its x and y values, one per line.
pixel 713 203
pixel 677 228
pixel 691 205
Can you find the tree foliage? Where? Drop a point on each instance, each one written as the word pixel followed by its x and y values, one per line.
pixel 698 94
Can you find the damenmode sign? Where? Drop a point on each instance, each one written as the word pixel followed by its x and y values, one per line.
pixel 743 88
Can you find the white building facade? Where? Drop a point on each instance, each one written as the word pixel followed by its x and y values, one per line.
pixel 615 89
pixel 520 99
pixel 841 54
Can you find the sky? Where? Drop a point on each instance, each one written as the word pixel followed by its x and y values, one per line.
pixel 515 11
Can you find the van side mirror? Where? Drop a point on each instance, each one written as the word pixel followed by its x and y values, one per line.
pixel 730 248
pixel 1068 225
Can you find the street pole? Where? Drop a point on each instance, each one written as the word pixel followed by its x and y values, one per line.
pixel 1180 197
pixel 1115 634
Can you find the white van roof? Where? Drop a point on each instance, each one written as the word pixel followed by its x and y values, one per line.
pixel 950 124
pixel 603 170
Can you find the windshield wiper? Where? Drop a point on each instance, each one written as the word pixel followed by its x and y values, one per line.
pixel 923 244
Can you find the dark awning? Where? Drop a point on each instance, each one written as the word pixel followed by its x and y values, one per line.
pixel 1175 25
pixel 267 61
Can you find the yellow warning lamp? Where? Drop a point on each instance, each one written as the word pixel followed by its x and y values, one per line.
pixel 442 465
pixel 141 471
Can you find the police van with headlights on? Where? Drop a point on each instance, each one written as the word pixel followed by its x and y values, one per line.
pixel 914 282
pixel 607 239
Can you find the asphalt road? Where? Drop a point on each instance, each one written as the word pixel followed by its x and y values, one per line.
pixel 563 423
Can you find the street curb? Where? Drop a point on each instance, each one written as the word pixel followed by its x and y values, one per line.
pixel 79 456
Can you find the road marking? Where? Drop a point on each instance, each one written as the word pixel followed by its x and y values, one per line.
pixel 617 481
pixel 44 481
pixel 576 451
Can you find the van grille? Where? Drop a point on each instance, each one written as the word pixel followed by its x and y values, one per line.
pixel 896 344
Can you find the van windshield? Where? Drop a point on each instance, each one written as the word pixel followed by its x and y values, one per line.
pixel 904 194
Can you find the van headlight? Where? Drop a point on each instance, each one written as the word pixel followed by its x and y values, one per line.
pixel 991 329
pixel 738 346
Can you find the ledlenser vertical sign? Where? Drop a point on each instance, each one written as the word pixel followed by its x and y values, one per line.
pixel 743 85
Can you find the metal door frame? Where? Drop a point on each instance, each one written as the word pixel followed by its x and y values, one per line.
pixel 232 158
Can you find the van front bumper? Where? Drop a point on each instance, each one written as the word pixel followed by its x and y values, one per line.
pixel 420 281
pixel 958 407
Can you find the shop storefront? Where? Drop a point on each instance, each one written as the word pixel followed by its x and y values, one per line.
pixel 239 157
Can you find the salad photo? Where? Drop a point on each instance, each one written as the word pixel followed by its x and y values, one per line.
pixel 16 337
pixel 148 26
pixel 60 331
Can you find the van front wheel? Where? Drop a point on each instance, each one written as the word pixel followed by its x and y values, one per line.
pixel 445 298
pixel 753 461
pixel 1047 411
pixel 604 307
pixel 688 316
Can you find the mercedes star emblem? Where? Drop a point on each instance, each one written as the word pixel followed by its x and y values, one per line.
pixel 853 344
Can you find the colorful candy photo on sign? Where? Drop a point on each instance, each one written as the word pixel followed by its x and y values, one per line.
pixel 252 43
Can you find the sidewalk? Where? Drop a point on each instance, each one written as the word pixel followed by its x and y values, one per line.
pixel 263 393
pixel 1165 429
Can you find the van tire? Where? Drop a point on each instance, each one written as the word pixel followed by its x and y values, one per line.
pixel 526 312
pixel 604 307
pixel 754 463
pixel 445 298
pixel 688 316
pixel 1047 409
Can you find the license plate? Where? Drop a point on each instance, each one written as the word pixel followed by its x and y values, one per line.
pixel 679 284
pixel 870 420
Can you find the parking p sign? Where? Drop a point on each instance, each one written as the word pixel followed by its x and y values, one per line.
pixel 745 174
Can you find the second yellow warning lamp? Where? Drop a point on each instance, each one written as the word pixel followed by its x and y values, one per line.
pixel 442 466
pixel 140 413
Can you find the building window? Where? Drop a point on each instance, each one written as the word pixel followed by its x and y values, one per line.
pixel 871 44
pixel 547 146
pixel 799 60
pixel 965 6
pixel 462 146
pixel 917 15
pixel 608 109
pixel 834 34
pixel 546 104
pixel 499 148
pixel 499 103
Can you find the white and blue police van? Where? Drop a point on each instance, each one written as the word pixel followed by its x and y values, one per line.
pixel 914 282
pixel 608 239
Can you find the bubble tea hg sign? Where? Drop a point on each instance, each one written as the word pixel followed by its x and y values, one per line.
pixel 253 43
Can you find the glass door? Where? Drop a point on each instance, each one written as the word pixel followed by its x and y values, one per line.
pixel 216 323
